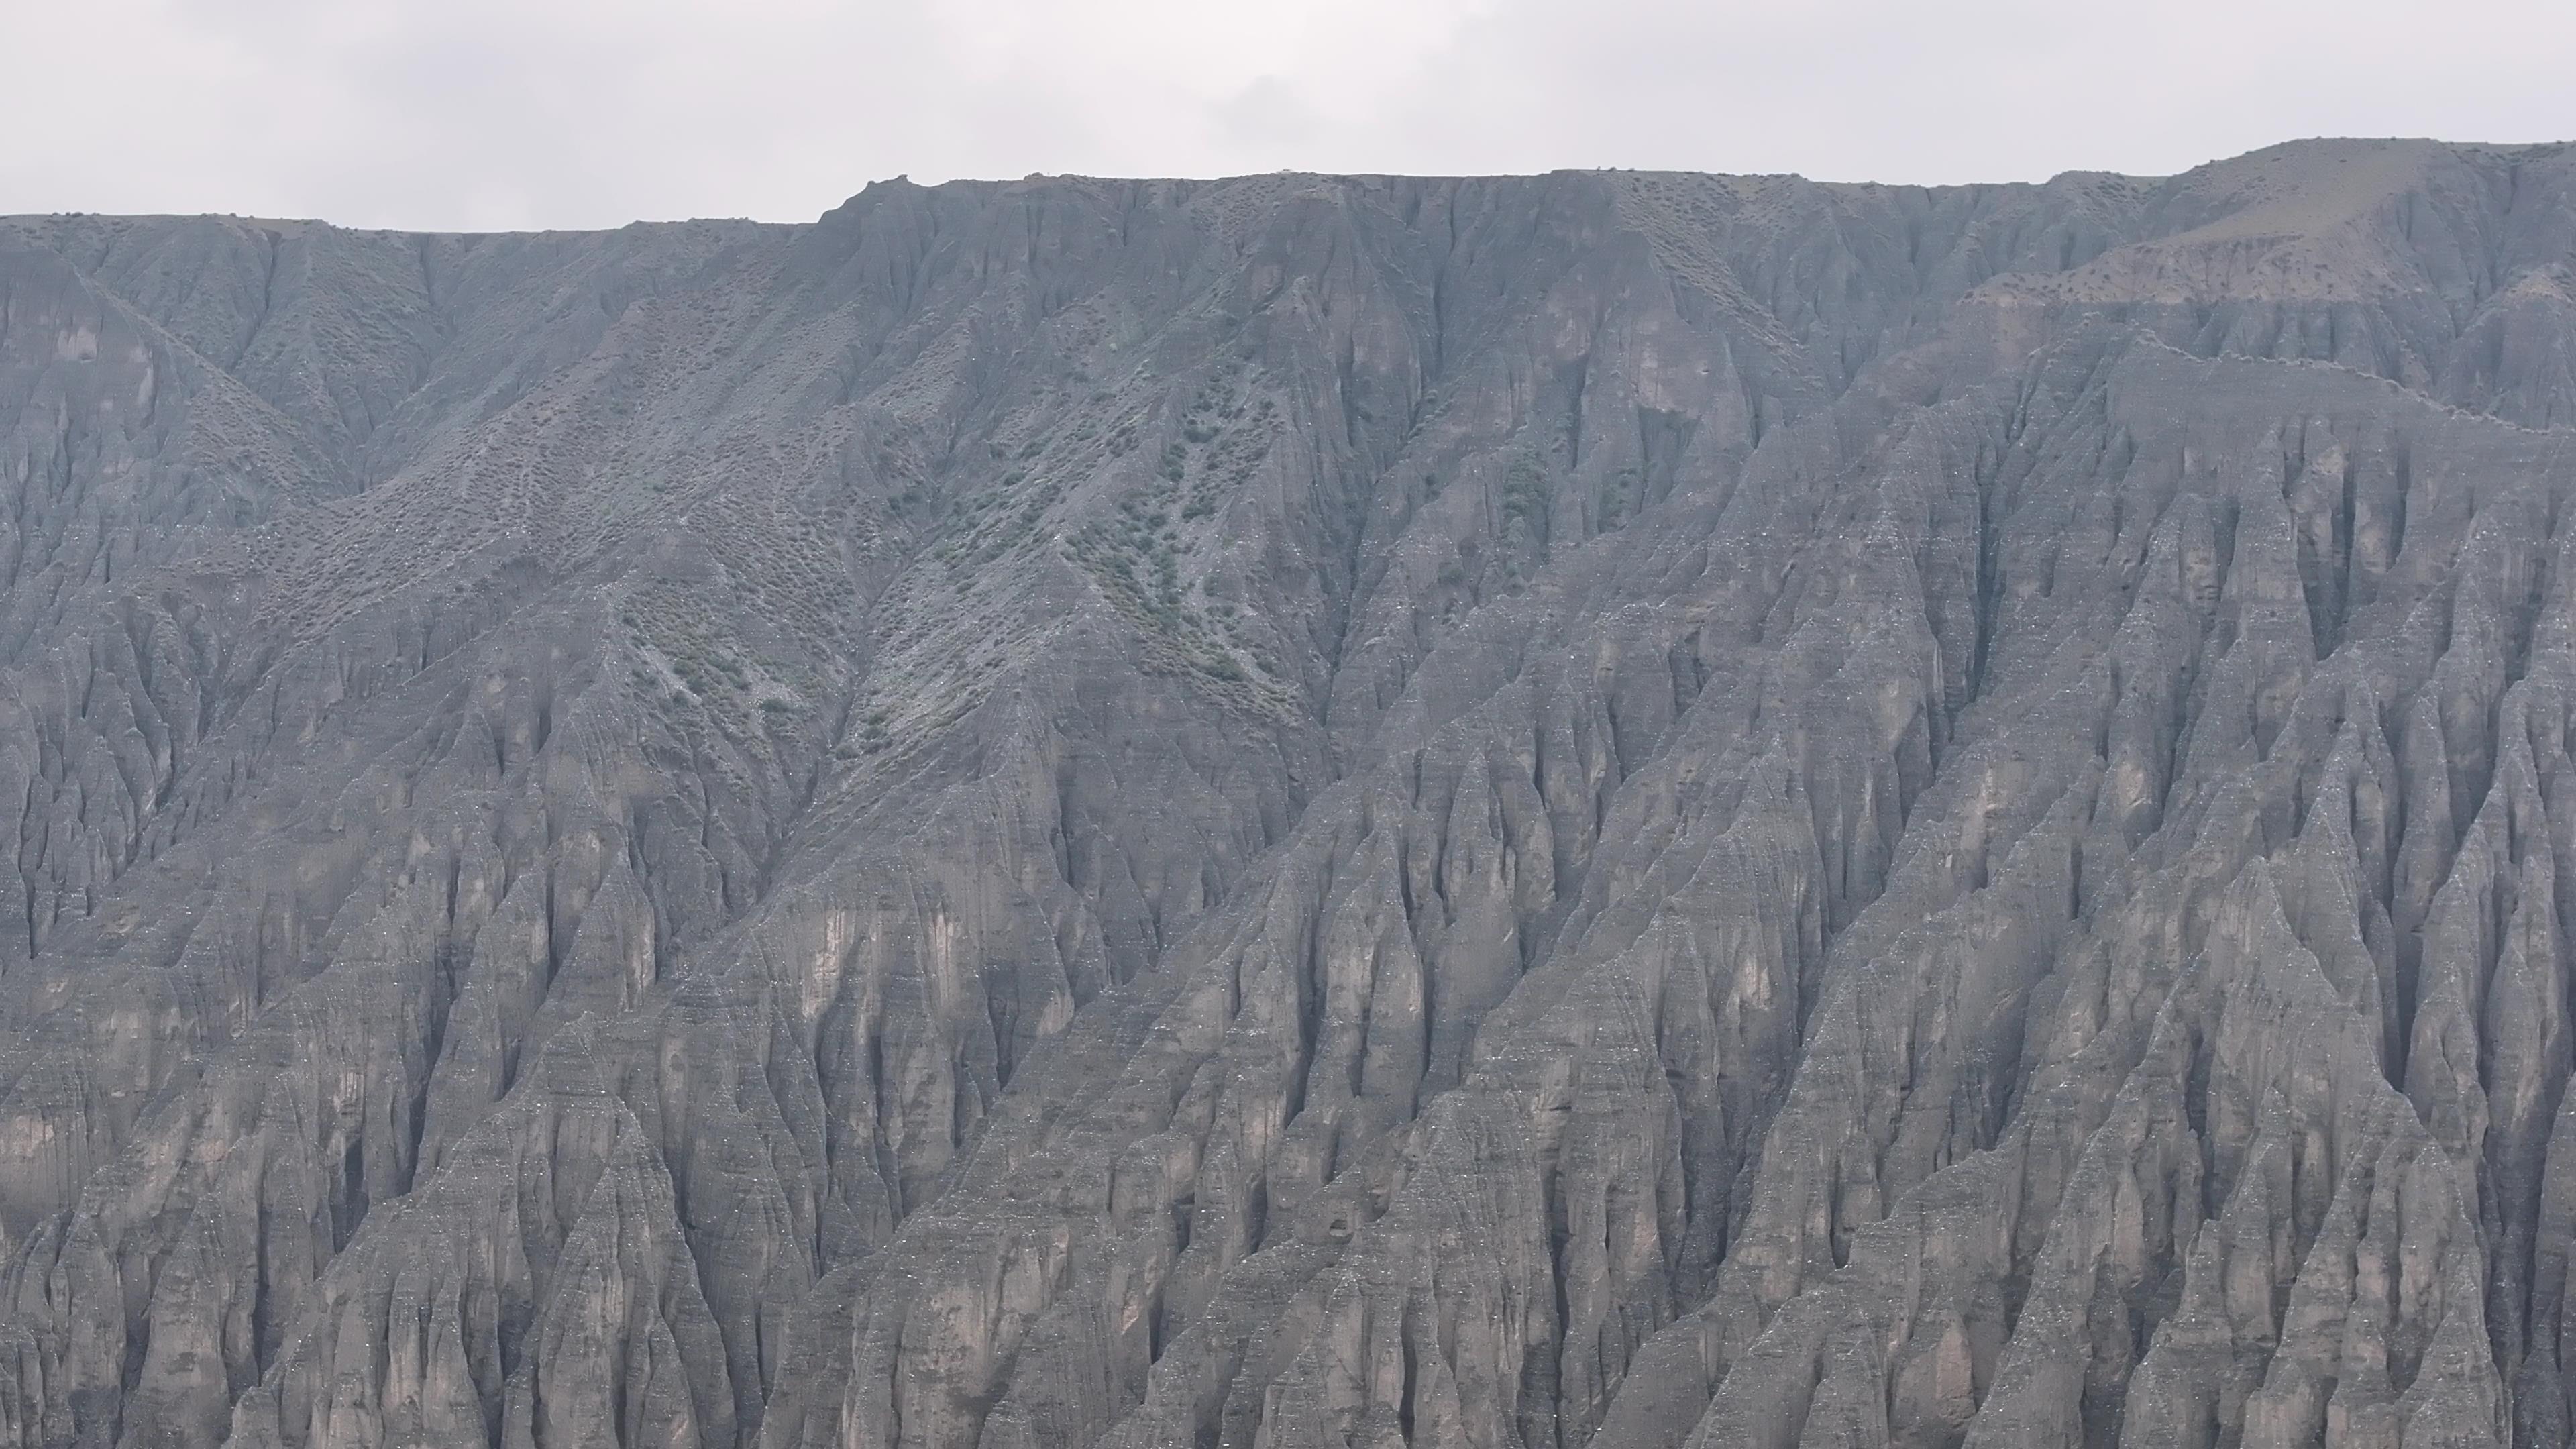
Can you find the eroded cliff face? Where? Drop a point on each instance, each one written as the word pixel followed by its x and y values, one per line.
pixel 1644 811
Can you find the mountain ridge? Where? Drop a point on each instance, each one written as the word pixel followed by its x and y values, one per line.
pixel 1615 808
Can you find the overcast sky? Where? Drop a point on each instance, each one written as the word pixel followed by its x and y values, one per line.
pixel 458 114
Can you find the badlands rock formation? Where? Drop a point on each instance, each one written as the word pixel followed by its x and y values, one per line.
pixel 1618 810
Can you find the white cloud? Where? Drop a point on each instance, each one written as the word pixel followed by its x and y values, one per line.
pixel 490 113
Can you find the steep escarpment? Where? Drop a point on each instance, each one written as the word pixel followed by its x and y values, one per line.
pixel 1610 809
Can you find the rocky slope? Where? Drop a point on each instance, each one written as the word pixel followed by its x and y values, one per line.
pixel 1644 811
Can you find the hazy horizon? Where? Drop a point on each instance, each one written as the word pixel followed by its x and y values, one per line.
pixel 578 114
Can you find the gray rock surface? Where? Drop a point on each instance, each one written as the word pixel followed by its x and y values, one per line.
pixel 1620 810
